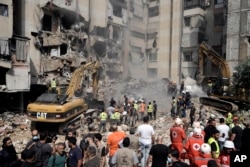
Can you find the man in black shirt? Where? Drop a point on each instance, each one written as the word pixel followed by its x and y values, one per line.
pixel 158 153
pixel 209 129
pixel 192 114
pixel 245 144
pixel 175 156
pixel 236 135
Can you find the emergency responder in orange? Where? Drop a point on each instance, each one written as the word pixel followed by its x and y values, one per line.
pixel 142 107
pixel 224 158
pixel 204 156
pixel 193 144
pixel 177 135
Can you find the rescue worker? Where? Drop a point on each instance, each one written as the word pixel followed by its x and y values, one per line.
pixel 209 88
pixel 214 144
pixel 136 107
pixel 150 110
pixel 193 144
pixel 229 118
pixel 132 116
pixel 155 109
pixel 173 109
pixel 192 114
pixel 53 86
pixel 204 156
pixel 113 118
pixel 117 116
pixel 177 135
pixel 142 107
pixel 103 120
pixel 224 158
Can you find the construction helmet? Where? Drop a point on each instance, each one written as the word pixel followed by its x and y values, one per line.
pixel 197 131
pixel 178 121
pixel 205 148
pixel 229 144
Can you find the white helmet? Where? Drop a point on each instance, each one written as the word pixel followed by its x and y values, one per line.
pixel 197 131
pixel 196 124
pixel 205 148
pixel 229 144
pixel 187 91
pixel 178 121
pixel 135 101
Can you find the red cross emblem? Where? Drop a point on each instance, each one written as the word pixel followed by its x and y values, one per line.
pixel 174 134
pixel 196 146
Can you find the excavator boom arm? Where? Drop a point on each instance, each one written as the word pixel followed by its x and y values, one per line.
pixel 211 54
pixel 91 68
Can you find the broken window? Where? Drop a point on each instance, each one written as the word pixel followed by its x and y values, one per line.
pixel 4 10
pixel 187 21
pixel 152 57
pixel 154 11
pixel 152 72
pixel 187 56
pixel 47 22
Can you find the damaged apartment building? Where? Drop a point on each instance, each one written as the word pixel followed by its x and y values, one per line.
pixel 14 57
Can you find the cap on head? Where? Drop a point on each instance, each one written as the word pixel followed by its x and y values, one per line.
pixel 228 144
pixel 205 148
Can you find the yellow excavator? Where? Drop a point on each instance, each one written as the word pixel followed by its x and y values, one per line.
pixel 56 111
pixel 225 96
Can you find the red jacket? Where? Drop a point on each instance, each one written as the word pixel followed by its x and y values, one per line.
pixel 177 134
pixel 193 145
pixel 201 160
pixel 224 159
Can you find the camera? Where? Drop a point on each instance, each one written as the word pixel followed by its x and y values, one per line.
pixel 51 137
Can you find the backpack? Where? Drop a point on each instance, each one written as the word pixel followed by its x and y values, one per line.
pixel 37 146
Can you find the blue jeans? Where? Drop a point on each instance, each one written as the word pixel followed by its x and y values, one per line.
pixel 145 152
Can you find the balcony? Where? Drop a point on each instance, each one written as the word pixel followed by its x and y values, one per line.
pixel 190 4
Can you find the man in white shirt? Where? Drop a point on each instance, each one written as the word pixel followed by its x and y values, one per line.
pixel 146 139
pixel 224 131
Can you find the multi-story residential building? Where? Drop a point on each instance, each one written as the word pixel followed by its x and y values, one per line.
pixel 238 32
pixel 203 20
pixel 14 56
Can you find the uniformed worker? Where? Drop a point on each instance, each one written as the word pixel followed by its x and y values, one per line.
pixel 53 86
pixel 113 118
pixel 150 109
pixel 103 120
pixel 117 116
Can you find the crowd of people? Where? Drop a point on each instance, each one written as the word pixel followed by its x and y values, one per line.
pixel 209 143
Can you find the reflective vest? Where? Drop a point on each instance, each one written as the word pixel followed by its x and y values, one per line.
pixel 150 108
pixel 210 141
pixel 209 84
pixel 174 103
pixel 136 106
pixel 113 116
pixel 103 116
pixel 229 118
pixel 53 84
pixel 117 115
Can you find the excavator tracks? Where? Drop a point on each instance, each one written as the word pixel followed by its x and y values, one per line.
pixel 218 104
